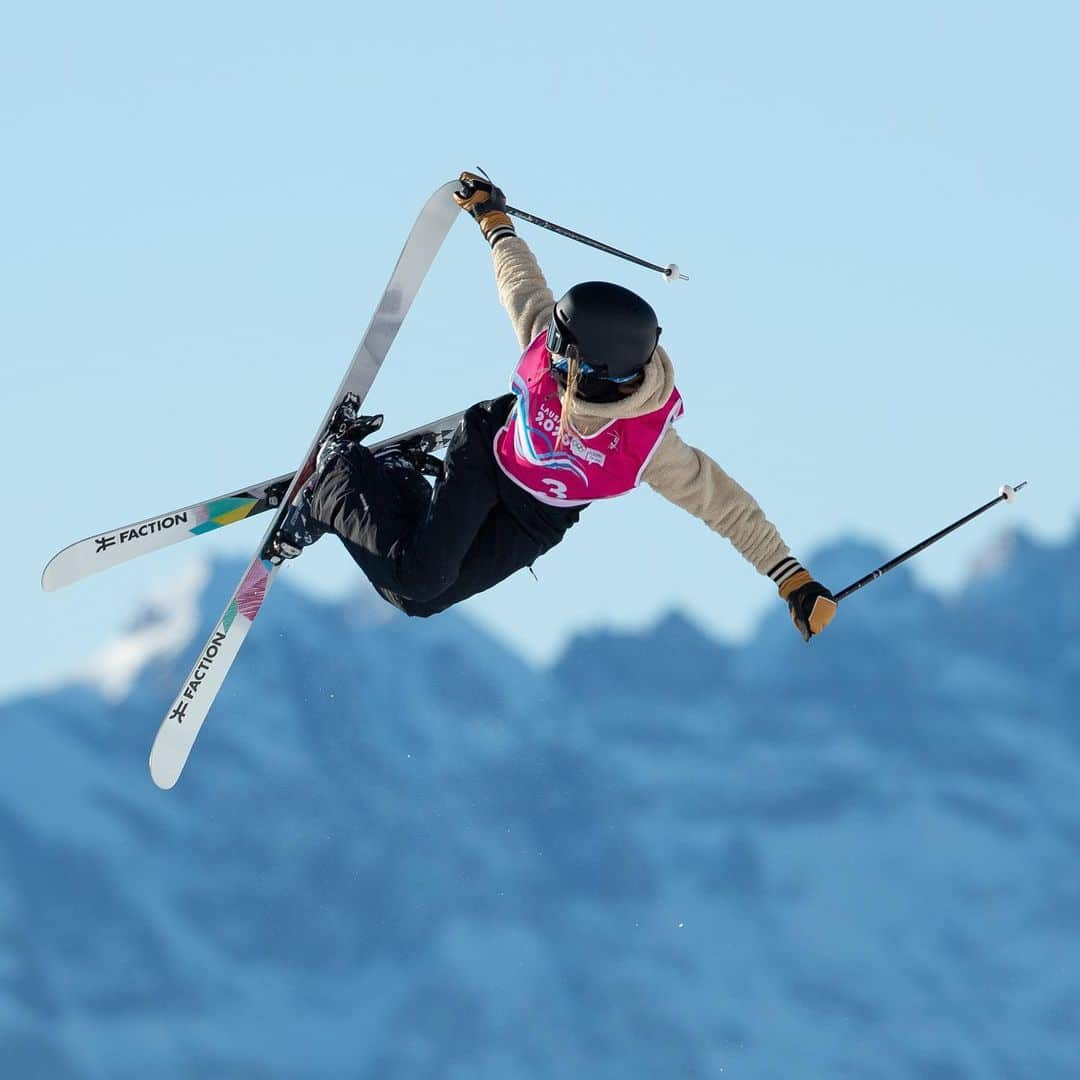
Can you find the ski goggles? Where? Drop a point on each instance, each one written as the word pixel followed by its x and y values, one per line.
pixel 562 365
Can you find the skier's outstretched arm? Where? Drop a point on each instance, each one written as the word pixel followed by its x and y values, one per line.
pixel 522 288
pixel 691 479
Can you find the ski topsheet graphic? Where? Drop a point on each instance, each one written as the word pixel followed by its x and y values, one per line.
pixel 108 549
pixel 181 725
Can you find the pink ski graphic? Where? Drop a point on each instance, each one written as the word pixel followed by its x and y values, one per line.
pixel 252 591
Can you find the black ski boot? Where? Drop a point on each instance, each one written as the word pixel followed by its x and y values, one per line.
pixel 346 428
pixel 415 454
pixel 297 529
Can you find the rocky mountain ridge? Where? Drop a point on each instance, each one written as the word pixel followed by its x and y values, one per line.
pixel 401 851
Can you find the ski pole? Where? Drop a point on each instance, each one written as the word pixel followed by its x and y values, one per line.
pixel 671 271
pixel 1005 494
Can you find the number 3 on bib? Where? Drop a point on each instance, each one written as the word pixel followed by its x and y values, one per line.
pixel 556 487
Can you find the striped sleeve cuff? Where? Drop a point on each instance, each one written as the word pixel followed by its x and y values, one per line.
pixel 784 573
pixel 496 226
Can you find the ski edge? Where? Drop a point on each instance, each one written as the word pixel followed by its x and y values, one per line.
pixel 173 743
pixel 75 562
pixel 72 563
pixel 390 312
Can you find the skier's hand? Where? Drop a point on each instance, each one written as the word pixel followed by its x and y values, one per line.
pixel 486 203
pixel 478 195
pixel 811 605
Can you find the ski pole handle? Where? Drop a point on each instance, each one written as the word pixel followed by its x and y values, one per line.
pixel 1005 494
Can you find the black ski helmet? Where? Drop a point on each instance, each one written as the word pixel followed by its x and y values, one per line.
pixel 614 331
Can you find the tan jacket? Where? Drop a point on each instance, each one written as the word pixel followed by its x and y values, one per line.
pixel 686 476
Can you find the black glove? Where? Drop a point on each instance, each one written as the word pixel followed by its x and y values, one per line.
pixel 486 203
pixel 811 605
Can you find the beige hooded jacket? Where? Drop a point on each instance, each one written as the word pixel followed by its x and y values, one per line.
pixel 686 476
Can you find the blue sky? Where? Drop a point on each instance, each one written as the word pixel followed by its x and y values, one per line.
pixel 876 205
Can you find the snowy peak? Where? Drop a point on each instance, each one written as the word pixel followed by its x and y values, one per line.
pixel 162 629
pixel 295 626
pixel 1013 576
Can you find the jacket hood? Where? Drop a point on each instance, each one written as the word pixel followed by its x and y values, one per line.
pixel 654 391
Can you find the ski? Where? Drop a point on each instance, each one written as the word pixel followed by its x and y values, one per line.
pixel 104 550
pixel 185 717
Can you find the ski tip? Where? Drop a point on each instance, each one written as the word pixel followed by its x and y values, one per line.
pixel 168 756
pixel 164 775
pixel 51 579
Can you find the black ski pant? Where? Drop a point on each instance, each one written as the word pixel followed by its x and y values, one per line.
pixel 425 549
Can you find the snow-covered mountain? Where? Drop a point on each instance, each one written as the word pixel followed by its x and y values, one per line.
pixel 399 851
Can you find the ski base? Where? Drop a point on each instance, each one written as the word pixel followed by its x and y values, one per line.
pixel 185 718
pixel 102 551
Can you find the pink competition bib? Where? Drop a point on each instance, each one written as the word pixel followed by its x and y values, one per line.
pixel 584 468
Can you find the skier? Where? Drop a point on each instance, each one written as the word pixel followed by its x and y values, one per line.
pixel 590 417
